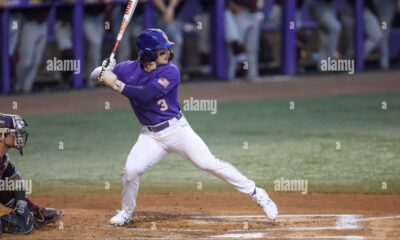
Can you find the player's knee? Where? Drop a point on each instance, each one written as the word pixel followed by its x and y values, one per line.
pixel 211 166
pixel 204 167
pixel 132 172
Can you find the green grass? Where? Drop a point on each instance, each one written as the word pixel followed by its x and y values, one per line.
pixel 294 144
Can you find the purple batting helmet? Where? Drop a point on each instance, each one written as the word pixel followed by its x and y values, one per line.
pixel 151 40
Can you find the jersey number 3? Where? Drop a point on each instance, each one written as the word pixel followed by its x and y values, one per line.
pixel 163 105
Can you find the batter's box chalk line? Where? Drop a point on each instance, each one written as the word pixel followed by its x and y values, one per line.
pixel 343 222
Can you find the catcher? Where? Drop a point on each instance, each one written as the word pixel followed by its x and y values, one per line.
pixel 25 215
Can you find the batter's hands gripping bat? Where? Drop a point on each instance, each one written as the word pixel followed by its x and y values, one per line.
pixel 125 21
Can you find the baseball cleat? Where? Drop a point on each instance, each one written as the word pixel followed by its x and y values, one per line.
pixel 269 207
pixel 121 218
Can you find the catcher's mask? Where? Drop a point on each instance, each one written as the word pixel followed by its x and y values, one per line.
pixel 16 125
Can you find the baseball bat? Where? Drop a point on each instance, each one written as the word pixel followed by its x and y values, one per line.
pixel 130 9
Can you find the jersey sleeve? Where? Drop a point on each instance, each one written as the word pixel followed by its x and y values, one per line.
pixel 167 79
pixel 119 69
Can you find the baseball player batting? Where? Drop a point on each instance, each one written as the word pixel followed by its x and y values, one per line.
pixel 151 84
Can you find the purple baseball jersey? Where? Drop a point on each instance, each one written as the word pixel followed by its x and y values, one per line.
pixel 165 77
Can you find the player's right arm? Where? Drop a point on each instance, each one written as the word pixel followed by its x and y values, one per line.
pixel 139 93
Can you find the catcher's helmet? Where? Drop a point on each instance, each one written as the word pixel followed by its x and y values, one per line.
pixel 16 125
pixel 151 40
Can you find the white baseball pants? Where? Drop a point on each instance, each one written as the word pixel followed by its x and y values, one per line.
pixel 180 138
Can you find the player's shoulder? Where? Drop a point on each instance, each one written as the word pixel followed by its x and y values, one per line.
pixel 170 68
pixel 125 67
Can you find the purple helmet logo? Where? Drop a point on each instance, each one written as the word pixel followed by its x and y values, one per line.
pixel 165 36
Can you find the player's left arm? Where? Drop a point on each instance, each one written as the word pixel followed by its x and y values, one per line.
pixel 139 93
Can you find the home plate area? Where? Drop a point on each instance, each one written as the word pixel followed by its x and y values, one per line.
pixel 296 226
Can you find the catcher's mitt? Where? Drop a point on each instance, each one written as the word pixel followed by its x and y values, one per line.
pixel 18 221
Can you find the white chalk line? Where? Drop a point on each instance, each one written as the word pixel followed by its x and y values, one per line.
pixel 250 231
pixel 348 237
pixel 378 218
pixel 348 222
pixel 342 217
pixel 280 216
pixel 240 235
pixel 240 231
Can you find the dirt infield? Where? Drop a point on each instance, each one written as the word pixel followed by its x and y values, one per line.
pixel 267 88
pixel 225 215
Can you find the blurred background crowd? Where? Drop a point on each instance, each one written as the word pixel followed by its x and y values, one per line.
pixel 43 30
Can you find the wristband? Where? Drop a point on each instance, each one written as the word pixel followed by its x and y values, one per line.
pixel 118 86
